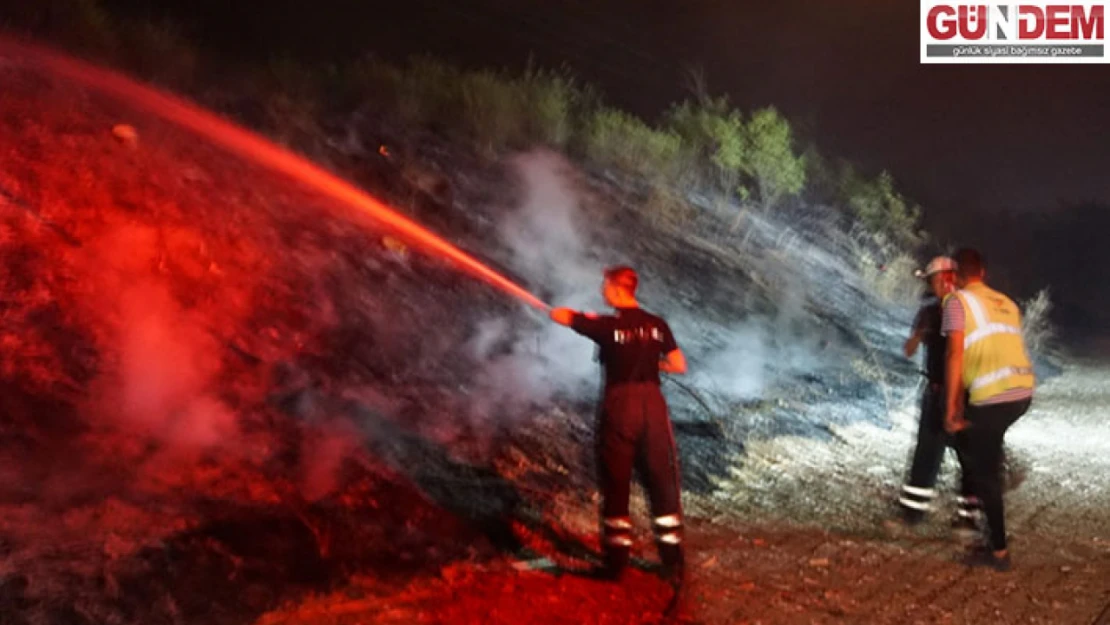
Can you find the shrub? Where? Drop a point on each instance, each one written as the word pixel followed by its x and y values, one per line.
pixel 619 140
pixel 370 83
pixel 1036 322
pixel 890 279
pixel 823 178
pixel 882 210
pixel 768 158
pixel 550 101
pixel 81 26
pixel 493 110
pixel 86 24
pixel 713 136
pixel 429 94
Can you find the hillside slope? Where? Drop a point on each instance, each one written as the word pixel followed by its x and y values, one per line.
pixel 228 399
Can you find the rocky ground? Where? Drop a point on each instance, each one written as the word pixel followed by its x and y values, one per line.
pixel 212 413
pixel 801 533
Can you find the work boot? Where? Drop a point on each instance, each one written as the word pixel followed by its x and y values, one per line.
pixel 678 608
pixel 616 561
pixel 674 561
pixel 674 572
pixel 966 523
pixel 915 503
pixel 965 527
pixel 983 556
pixel 910 516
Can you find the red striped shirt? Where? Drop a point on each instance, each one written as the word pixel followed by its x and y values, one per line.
pixel 1014 394
pixel 953 319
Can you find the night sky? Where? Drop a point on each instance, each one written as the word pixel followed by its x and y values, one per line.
pixel 958 137
pixel 964 141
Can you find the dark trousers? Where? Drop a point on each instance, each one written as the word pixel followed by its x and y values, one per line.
pixel 635 433
pixel 928 454
pixel 980 447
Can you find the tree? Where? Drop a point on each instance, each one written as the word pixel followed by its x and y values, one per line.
pixel 768 158
pixel 713 131
pixel 880 209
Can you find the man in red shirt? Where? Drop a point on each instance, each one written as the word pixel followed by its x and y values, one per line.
pixel 634 428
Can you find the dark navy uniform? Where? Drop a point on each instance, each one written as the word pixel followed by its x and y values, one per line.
pixel 919 491
pixel 634 430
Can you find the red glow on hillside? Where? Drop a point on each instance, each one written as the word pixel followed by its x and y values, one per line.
pixel 252 146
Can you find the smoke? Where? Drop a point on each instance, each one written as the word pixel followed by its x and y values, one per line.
pixel 160 383
pixel 737 368
pixel 545 233
pixel 323 452
pixel 167 364
pixel 748 358
pixel 546 236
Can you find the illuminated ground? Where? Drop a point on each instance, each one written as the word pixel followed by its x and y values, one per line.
pixel 306 454
pixel 798 537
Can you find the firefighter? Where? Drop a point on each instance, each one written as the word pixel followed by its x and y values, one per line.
pixel 634 427
pixel 987 359
pixel 918 493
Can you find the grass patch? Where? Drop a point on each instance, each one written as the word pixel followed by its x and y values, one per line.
pixel 1036 323
pixel 620 141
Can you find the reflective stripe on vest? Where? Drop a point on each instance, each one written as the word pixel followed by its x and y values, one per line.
pixel 997 376
pixel 995 358
pixel 983 327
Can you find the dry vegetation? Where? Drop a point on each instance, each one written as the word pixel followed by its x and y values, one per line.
pixel 702 147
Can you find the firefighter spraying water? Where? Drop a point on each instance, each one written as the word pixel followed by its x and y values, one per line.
pixel 634 429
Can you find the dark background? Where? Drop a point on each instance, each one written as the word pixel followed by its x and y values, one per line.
pixel 1012 159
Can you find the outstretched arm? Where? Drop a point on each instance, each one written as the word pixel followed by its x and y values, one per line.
pixel 587 324
pixel 673 362
pixel 562 316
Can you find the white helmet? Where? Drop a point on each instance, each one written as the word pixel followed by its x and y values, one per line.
pixel 937 265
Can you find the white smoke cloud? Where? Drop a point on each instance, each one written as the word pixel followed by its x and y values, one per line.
pixel 161 364
pixel 325 447
pixel 736 369
pixel 545 235
pixel 167 365
pixel 548 236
